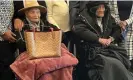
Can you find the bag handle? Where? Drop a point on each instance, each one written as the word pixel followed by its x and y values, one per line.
pixel 21 36
pixel 51 29
pixel 53 34
pixel 34 29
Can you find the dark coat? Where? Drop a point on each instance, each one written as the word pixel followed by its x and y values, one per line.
pixel 94 58
pixel 74 8
pixel 87 29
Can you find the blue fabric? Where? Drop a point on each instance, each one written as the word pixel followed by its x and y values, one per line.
pixel 124 33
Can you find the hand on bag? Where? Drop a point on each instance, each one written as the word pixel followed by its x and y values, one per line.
pixel 123 24
pixel 9 36
pixel 18 24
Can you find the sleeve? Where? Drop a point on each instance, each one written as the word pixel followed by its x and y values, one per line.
pixel 114 10
pixel 82 31
pixel 130 20
pixel 116 30
pixel 74 9
pixel 6 13
pixel 2 30
pixel 50 18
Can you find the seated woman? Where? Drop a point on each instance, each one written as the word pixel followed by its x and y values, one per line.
pixel 99 56
pixel 33 19
pixel 59 68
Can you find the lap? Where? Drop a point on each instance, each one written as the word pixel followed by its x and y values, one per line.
pixel 114 70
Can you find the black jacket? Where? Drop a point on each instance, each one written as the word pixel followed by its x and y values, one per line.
pixel 74 8
pixel 86 28
pixel 91 54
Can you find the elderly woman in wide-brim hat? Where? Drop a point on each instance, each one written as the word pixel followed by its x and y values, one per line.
pixel 99 57
pixel 32 11
pixel 33 19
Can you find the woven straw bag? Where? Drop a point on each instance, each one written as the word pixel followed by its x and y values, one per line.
pixel 43 44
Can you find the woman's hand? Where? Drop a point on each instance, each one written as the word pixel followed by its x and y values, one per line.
pixel 108 42
pixel 105 42
pixel 18 24
pixel 123 24
pixel 9 36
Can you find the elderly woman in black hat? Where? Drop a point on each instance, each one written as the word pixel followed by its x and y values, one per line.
pixel 32 20
pixel 99 56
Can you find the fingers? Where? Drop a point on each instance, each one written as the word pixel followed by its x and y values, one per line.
pixel 13 34
pixel 123 24
pixel 105 42
pixel 12 39
pixel 108 42
pixel 10 36
pixel 18 24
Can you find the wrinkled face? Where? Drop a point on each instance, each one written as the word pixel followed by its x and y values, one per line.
pixel 100 11
pixel 33 14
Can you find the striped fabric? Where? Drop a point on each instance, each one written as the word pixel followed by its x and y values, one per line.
pixel 6 13
pixel 129 35
pixel 129 42
pixel 114 10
